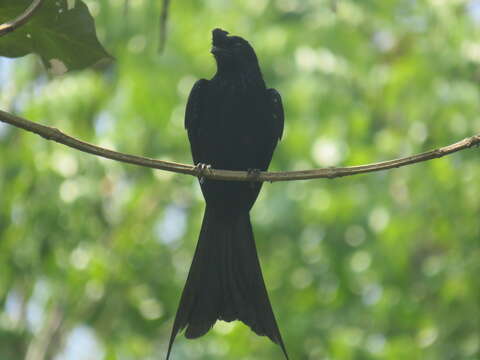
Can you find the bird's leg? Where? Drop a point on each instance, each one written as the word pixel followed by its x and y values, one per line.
pixel 253 174
pixel 201 169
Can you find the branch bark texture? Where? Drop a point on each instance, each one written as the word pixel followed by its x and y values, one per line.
pixel 51 133
pixel 21 19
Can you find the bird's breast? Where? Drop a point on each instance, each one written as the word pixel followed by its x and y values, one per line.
pixel 236 125
pixel 237 106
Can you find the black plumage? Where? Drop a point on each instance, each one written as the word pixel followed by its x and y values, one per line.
pixel 234 122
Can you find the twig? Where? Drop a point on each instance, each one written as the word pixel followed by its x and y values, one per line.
pixel 163 25
pixel 20 20
pixel 42 345
pixel 334 5
pixel 54 134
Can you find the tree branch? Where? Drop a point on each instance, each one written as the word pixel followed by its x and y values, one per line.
pixel 54 134
pixel 20 20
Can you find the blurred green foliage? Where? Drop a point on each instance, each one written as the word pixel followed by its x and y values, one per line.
pixel 94 253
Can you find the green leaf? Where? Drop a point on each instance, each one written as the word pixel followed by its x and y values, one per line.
pixel 61 32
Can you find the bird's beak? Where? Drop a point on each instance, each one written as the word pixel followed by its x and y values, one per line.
pixel 216 50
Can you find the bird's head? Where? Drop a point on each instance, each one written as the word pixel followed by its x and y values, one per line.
pixel 232 53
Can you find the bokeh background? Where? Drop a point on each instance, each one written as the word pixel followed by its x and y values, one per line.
pixel 94 253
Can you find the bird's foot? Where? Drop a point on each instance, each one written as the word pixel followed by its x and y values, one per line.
pixel 253 174
pixel 201 169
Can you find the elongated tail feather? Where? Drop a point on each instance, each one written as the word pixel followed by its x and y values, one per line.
pixel 225 281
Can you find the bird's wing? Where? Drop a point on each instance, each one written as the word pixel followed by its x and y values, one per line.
pixel 193 116
pixel 277 111
pixel 194 104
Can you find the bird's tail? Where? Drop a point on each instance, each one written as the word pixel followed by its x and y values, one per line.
pixel 225 281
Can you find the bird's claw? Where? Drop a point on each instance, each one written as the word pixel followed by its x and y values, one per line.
pixel 201 169
pixel 253 174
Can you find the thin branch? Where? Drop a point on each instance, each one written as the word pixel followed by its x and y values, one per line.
pixel 20 20
pixel 41 346
pixel 163 25
pixel 51 133
pixel 54 134
pixel 334 5
pixel 126 7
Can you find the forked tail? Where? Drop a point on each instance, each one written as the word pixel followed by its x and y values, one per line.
pixel 225 281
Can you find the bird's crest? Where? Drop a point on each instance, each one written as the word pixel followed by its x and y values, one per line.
pixel 219 37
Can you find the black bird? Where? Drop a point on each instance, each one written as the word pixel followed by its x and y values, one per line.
pixel 234 122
